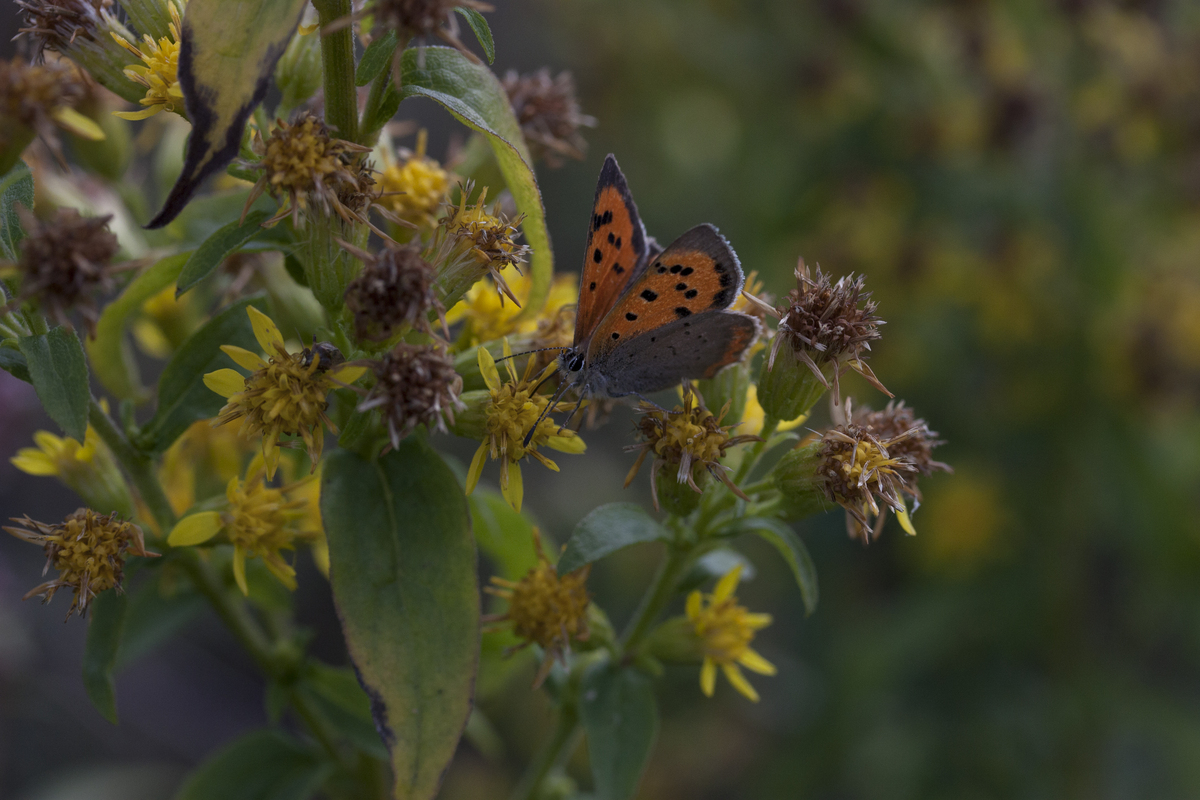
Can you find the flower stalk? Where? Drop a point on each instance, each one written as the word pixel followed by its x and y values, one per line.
pixel 337 59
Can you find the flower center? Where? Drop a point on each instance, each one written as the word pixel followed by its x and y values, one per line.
pixel 286 393
pixel 725 631
pixel 547 609
pixel 258 518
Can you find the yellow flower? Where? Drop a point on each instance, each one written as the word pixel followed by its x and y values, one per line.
pixel 512 410
pixel 469 243
pixel 283 396
pixel 89 469
pixel 259 521
pixel 165 322
pixel 726 630
pixel 158 71
pixel 414 189
pixel 203 455
pixel 87 549
pixel 544 608
pixel 486 317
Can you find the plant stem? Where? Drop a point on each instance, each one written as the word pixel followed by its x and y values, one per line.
pixel 379 91
pixel 562 742
pixel 671 569
pixel 337 60
pixel 751 461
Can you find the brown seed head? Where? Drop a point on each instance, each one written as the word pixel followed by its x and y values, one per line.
pixel 425 17
pixel 549 114
pixel 87 549
pixel 395 288
pixel 910 437
pixel 56 24
pixel 65 264
pixel 30 93
pixel 414 385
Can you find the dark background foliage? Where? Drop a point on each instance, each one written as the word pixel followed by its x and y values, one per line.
pixel 1019 182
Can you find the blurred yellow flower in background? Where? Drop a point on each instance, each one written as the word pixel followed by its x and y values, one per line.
pixel 726 630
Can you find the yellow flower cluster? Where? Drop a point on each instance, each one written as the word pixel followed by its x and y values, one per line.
pixel 725 630
pixel 414 189
pixel 158 71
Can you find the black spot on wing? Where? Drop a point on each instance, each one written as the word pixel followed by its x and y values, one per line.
pixel 616 335
pixel 726 279
pixel 592 286
pixel 630 316
pixel 682 312
pixel 675 270
pixel 690 293
pixel 686 271
pixel 611 237
pixel 597 256
pixel 721 299
pixel 681 287
pixel 649 296
pixel 617 268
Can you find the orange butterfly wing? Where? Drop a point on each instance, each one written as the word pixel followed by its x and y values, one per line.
pixel 698 272
pixel 616 250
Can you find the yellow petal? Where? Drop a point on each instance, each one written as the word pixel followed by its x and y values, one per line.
pixel 756 663
pixel 48 442
pixel 906 522
pixel 243 357
pixel 476 467
pixel 257 466
pixel 71 120
pixel 239 566
pixel 281 570
pixel 348 374
pixel 756 621
pixel 143 114
pixel 567 444
pixel 487 368
pixel 32 461
pixel 225 382
pixel 265 331
pixel 693 605
pixel 511 485
pixel 727 585
pixel 271 457
pixel 195 529
pixel 320 556
pixel 735 677
pixel 708 677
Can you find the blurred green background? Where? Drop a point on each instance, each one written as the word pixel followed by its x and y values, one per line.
pixel 1020 183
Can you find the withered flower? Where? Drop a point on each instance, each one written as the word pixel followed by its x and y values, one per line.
pixel 414 385
pixel 56 24
pixel 65 265
pixel 549 114
pixel 301 161
pixel 911 437
pixel 35 99
pixel 470 242
pixel 87 549
pixel 410 18
pixel 395 288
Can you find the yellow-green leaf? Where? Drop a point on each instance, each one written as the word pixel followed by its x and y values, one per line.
pixel 476 98
pixel 226 57
pixel 402 566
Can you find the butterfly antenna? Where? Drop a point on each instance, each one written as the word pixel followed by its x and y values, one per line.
pixel 527 352
pixel 549 407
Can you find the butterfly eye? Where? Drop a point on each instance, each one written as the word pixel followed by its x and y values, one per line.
pixel 576 363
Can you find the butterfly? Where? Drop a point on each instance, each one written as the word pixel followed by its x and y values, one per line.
pixel 649 317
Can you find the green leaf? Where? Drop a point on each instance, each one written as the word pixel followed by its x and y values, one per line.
pixel 107 614
pixel 182 396
pixel 621 719
pixel 60 377
pixel 12 362
pixel 790 546
pixel 263 765
pixel 475 97
pixel 404 582
pixel 226 240
pixel 111 356
pixel 341 700
pixel 505 536
pixel 155 617
pixel 386 109
pixel 376 58
pixel 716 564
pixel 606 530
pixel 15 187
pixel 226 57
pixel 482 32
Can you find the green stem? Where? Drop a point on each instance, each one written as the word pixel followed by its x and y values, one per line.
pixel 379 91
pixel 658 595
pixel 751 460
pixel 562 742
pixel 337 59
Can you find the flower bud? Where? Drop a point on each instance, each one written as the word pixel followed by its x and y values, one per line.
pixel 728 387
pixel 675 496
pixel 675 642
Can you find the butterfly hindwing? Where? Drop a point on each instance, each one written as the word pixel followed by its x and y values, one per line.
pixel 697 273
pixel 694 347
pixel 616 250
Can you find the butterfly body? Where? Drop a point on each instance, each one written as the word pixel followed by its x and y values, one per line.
pixel 649 317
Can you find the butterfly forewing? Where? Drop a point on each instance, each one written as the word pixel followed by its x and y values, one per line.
pixel 698 272
pixel 616 248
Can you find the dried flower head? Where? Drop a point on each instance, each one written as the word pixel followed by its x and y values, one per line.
pixel 56 24
pixel 826 323
pixel 515 412
pixel 158 72
pixel 283 396
pixel 87 549
pixel 302 162
pixel 260 521
pixel 394 289
pixel 37 98
pixel 413 188
pixel 725 630
pixel 414 385
pixel 65 264
pixel 859 472
pixel 549 114
pixel 471 242
pixel 545 608
pixel 411 18
pixel 687 438
pixel 910 437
